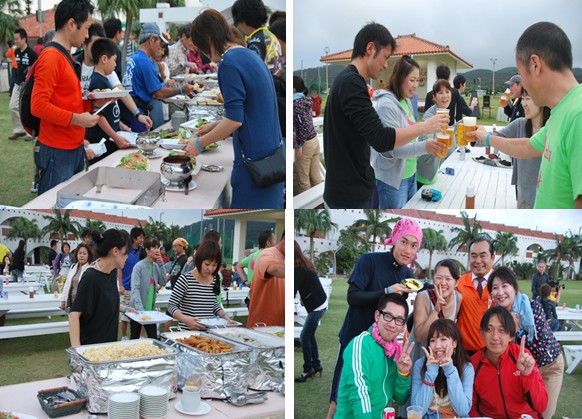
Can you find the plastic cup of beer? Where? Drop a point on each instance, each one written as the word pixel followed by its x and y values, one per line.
pixel 470 123
pixel 443 138
pixel 414 412
pixel 461 142
pixel 443 111
pixel 503 101
pixel 451 133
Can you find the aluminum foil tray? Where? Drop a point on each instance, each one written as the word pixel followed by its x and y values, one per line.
pixel 267 370
pixel 98 380
pixel 220 373
pixel 112 184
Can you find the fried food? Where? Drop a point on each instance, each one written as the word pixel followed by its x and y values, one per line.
pixel 204 344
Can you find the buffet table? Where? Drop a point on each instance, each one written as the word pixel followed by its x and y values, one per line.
pixel 213 190
pixel 22 398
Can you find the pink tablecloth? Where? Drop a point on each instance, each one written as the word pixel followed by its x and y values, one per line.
pixel 21 398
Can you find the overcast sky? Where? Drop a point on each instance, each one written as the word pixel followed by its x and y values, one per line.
pixel 178 217
pixel 549 221
pixel 475 31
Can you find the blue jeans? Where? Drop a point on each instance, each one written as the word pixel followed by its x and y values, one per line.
pixel 56 165
pixel 16 275
pixel 392 198
pixel 308 343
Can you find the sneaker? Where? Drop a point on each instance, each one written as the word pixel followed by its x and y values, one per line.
pixel 124 338
pixel 17 135
pixel 34 187
pixel 28 138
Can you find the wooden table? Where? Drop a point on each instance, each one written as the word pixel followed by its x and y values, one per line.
pixel 213 190
pixel 492 184
pixel 22 398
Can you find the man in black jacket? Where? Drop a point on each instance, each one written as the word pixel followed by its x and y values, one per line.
pixel 351 125
pixel 461 108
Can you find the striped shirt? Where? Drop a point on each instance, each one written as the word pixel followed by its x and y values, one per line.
pixel 193 298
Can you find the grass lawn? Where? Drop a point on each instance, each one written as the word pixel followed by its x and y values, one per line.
pixel 16 162
pixel 311 397
pixel 38 357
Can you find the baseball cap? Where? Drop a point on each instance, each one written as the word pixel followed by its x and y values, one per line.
pixel 514 79
pixel 150 28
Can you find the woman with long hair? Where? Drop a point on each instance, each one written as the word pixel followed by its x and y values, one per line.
pixel 84 257
pixel 314 299
pixel 250 105
pixel 5 267
pixel 194 295
pixel 18 261
pixel 395 170
pixel 530 321
pixel 442 382
pixel 94 316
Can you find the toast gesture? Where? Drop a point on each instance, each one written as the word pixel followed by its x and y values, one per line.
pixel 525 362
pixel 404 363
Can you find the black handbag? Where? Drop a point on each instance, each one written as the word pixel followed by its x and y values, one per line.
pixel 269 170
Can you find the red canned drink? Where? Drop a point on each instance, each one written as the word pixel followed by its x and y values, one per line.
pixel 389 413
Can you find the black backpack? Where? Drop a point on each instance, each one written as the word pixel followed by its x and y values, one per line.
pixel 30 122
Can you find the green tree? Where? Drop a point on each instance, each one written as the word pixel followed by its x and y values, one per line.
pixel 313 221
pixel 323 263
pixel 351 247
pixel 95 225
pixel 24 228
pixel 523 270
pixel 465 235
pixel 374 226
pixel 568 248
pixel 28 9
pixel 506 244
pixel 10 11
pixel 433 241
pixel 62 224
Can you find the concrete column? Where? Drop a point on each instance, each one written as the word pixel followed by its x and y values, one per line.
pixel 240 234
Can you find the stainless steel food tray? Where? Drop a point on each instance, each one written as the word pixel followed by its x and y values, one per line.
pixel 112 184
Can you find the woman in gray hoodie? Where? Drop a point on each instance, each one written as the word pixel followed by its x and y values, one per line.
pixel 395 170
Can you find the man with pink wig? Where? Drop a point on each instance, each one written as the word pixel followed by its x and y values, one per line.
pixel 374 275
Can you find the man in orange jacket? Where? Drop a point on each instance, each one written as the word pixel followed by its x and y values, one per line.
pixel 473 287
pixel 57 100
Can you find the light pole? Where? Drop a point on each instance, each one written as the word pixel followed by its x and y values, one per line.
pixel 493 60
pixel 326 50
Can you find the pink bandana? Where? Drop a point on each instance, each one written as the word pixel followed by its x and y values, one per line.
pixel 405 227
pixel 391 349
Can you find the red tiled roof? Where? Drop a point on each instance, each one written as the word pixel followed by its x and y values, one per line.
pixel 99 216
pixel 452 219
pixel 406 45
pixel 32 27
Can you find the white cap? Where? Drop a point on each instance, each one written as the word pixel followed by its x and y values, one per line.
pixel 470 190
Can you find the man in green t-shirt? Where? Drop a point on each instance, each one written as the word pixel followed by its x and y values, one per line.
pixel 544 61
pixel 266 240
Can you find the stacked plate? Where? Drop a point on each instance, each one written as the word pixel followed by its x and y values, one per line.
pixel 154 402
pixel 123 406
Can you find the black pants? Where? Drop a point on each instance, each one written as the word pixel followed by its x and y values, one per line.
pixel 337 373
pixel 135 330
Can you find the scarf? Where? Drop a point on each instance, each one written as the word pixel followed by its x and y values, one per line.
pixel 522 306
pixel 391 349
pixel 298 95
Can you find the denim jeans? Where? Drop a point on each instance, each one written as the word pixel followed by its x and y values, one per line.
pixel 56 165
pixel 392 198
pixel 16 275
pixel 308 343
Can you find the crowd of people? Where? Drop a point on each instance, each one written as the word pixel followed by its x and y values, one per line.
pixel 474 345
pixel 248 58
pixel 378 154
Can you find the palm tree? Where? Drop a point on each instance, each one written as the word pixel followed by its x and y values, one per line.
pixel 9 12
pixel 568 248
pixel 95 225
pixel 433 241
pixel 62 224
pixel 506 244
pixel 24 228
pixel 471 229
pixel 313 221
pixel 110 8
pixel 374 226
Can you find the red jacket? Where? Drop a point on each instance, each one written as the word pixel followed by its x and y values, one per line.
pixel 502 392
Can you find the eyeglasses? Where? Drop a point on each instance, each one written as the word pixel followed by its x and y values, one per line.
pixel 388 317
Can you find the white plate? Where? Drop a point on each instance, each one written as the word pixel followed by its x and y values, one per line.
pixel 107 95
pixel 18 414
pixel 204 409
pixel 191 125
pixel 178 99
pixel 129 136
pixel 118 161
pixel 218 322
pixel 172 144
pixel 155 317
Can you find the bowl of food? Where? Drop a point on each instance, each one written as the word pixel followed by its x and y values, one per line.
pixel 147 142
pixel 176 169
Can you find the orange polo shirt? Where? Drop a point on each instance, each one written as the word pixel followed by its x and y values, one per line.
pixel 56 95
pixel 472 310
pixel 10 54
pixel 267 295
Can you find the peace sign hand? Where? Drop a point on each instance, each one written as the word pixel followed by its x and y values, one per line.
pixel 448 356
pixel 525 362
pixel 440 303
pixel 430 359
pixel 404 363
